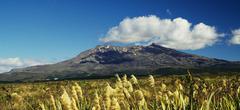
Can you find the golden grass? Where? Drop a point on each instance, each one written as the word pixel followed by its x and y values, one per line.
pixel 123 93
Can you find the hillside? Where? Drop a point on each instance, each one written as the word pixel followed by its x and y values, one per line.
pixel 103 61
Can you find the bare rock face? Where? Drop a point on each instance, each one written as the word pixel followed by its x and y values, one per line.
pixel 108 60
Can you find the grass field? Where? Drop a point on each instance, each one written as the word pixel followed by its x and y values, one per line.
pixel 183 92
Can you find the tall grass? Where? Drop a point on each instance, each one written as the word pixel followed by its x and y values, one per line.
pixel 123 93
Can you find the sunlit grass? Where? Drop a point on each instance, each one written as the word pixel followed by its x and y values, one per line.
pixel 125 93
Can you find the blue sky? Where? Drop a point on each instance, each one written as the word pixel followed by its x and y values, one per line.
pixel 55 30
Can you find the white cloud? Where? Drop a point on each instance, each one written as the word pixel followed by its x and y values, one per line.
pixel 9 63
pixel 169 12
pixel 236 37
pixel 177 33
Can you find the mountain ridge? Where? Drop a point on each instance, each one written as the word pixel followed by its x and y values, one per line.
pixel 107 60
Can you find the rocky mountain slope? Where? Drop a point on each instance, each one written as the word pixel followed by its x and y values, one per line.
pixel 108 60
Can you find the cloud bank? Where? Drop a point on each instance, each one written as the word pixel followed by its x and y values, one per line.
pixel 176 33
pixel 236 37
pixel 9 63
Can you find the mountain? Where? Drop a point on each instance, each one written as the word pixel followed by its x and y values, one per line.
pixel 104 61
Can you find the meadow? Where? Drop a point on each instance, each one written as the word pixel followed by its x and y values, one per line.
pixel 175 92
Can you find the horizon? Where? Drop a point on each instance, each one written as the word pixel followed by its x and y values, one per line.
pixel 50 31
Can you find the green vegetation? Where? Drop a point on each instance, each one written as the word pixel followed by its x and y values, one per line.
pixel 175 92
